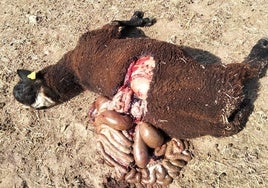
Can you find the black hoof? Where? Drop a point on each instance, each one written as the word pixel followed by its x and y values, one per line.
pixel 258 57
pixel 137 20
pixel 149 21
pixel 263 43
pixel 138 14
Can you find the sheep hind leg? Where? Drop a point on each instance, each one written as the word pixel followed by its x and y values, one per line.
pixel 137 20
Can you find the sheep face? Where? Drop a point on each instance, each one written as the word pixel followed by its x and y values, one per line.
pixel 32 92
pixel 258 57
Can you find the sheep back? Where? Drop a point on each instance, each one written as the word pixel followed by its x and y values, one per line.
pixel 186 99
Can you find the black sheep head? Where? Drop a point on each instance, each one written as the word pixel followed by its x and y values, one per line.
pixel 258 56
pixel 31 91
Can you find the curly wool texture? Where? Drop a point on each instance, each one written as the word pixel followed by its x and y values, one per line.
pixel 198 99
pixel 185 99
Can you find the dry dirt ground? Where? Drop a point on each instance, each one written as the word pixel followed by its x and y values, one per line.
pixel 56 147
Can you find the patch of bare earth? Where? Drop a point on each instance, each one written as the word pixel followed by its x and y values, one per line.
pixel 56 147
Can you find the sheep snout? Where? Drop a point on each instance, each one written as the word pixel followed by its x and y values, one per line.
pixel 42 101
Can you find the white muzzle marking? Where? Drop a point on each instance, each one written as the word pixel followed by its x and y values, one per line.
pixel 42 100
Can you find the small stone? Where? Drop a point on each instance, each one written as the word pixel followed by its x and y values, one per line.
pixel 46 52
pixel 2 85
pixel 5 60
pixel 172 39
pixel 2 104
pixel 32 19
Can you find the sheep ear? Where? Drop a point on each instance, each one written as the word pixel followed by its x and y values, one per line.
pixel 23 73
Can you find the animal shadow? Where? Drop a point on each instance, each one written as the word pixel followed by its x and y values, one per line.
pixel 132 32
pixel 201 56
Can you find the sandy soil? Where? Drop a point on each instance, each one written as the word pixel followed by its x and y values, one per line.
pixel 56 148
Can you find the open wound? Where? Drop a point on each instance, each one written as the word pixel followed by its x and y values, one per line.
pixel 138 151
pixel 131 97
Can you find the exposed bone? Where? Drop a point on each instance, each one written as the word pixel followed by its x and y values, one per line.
pixel 122 158
pixel 150 135
pixel 136 109
pixel 140 87
pixel 140 150
pixel 114 120
pixel 141 76
pixel 110 160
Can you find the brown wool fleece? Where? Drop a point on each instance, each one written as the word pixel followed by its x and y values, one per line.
pixel 186 99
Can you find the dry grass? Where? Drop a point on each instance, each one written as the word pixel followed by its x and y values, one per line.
pixel 56 148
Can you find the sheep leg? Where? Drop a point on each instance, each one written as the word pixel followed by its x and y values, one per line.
pixel 137 20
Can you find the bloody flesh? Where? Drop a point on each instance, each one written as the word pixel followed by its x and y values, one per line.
pixel 131 97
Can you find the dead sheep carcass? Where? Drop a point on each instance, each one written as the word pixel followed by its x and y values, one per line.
pixel 150 87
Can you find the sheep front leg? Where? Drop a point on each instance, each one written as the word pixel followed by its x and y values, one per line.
pixel 137 20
